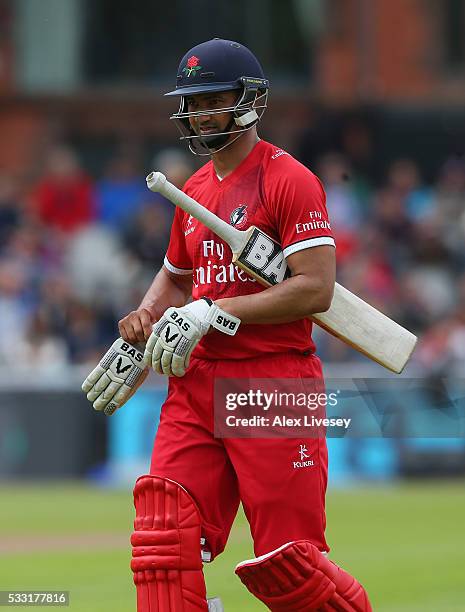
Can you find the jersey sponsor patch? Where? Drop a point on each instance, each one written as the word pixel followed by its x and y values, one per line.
pixel 278 153
pixel 218 268
pixel 239 216
pixel 190 225
pixel 315 222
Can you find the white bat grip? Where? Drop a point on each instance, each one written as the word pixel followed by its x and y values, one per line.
pixel 156 181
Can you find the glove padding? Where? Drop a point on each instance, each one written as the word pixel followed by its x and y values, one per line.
pixel 116 378
pixel 178 332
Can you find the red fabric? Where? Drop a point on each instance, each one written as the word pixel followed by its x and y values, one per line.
pixel 298 578
pixel 65 205
pixel 286 201
pixel 282 503
pixel 166 557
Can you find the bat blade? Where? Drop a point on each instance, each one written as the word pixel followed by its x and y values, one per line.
pixel 349 318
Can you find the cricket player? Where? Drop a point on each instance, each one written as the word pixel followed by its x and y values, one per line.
pixel 232 328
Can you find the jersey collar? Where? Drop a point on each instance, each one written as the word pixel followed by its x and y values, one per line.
pixel 246 163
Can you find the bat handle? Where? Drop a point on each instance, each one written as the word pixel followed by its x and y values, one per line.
pixel 156 181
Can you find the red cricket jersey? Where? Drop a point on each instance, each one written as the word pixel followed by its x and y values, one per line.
pixel 273 191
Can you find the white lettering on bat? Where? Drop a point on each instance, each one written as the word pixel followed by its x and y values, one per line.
pixel 277 268
pixel 261 249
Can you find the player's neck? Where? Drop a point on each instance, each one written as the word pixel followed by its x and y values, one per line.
pixel 227 160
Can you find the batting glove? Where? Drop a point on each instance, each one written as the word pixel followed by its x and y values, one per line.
pixel 119 374
pixel 178 332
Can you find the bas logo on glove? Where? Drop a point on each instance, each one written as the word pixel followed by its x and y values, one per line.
pixel 116 378
pixel 221 322
pixel 132 352
pixel 175 316
pixel 224 324
pixel 178 332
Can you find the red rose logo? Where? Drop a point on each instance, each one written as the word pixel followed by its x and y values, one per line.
pixel 192 66
pixel 192 62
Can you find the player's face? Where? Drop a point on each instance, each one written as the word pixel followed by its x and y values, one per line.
pixel 214 123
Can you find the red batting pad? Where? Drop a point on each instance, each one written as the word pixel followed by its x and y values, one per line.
pixel 298 578
pixel 166 557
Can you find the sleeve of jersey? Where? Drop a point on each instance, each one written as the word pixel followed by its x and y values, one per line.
pixel 298 200
pixel 177 259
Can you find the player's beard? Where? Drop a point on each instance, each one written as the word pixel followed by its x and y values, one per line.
pixel 216 141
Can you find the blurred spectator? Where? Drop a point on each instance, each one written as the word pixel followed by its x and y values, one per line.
pixel 393 226
pixel 450 195
pixel 404 180
pixel 89 332
pixel 175 164
pixel 147 236
pixel 430 244
pixel 412 311
pixel 450 190
pixel 372 277
pixel 64 197
pixel 10 208
pixel 441 350
pixel 461 235
pixel 56 299
pixel 15 309
pixel 344 207
pixel 41 348
pixel 121 192
pixel 434 289
pixel 28 247
pixel 82 331
pixel 99 268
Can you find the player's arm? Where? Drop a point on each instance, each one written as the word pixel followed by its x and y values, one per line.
pixel 167 289
pixel 179 330
pixel 309 290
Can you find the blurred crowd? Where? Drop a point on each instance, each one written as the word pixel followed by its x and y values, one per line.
pixel 401 246
pixel 78 252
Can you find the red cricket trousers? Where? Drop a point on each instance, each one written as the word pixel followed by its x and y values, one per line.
pixel 281 503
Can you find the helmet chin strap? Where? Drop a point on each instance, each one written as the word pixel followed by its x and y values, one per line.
pixel 208 145
pixel 215 142
pixel 202 149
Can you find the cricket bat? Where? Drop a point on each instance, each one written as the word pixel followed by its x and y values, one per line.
pixel 349 318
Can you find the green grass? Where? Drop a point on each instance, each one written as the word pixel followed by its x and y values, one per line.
pixel 405 543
